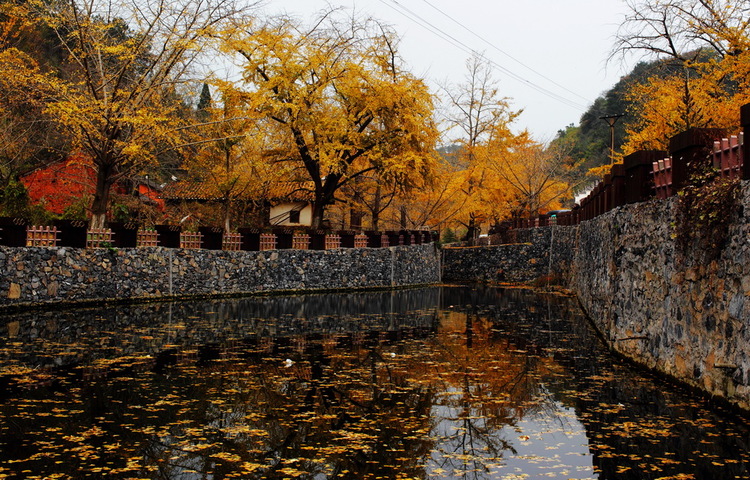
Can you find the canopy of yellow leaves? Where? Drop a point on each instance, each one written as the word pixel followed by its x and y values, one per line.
pixel 707 45
pixel 706 95
pixel 337 100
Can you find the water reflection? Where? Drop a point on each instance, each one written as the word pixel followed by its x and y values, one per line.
pixel 454 382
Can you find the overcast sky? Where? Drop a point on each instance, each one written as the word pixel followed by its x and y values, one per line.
pixel 550 55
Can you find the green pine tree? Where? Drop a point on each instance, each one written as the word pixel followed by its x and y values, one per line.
pixel 204 102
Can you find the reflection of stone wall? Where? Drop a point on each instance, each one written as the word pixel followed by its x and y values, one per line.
pixel 43 275
pixel 79 336
pixel 671 308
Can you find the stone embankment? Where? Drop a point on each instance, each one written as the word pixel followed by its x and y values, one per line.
pixel 677 309
pixel 42 275
pixel 524 261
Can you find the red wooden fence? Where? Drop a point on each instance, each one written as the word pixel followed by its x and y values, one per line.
pixel 647 174
pixel 727 156
pixel 662 172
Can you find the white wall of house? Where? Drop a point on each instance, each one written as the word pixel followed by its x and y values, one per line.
pixel 279 214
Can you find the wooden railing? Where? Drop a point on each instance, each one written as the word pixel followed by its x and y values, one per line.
pixel 191 240
pixel 662 173
pixel 727 156
pixel 147 238
pixel 267 241
pixel 50 236
pixel 301 241
pixel 647 175
pixel 231 241
pixel 99 238
pixel 41 236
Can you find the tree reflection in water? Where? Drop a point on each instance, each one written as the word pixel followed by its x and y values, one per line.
pixel 458 382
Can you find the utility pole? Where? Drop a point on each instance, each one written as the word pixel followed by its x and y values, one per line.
pixel 611 120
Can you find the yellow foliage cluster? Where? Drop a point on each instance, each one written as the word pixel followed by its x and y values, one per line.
pixel 706 95
pixel 508 175
pixel 331 107
pixel 706 47
pixel 337 102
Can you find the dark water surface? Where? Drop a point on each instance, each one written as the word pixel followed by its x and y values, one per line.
pixel 452 382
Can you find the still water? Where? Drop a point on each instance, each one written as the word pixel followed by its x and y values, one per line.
pixel 452 382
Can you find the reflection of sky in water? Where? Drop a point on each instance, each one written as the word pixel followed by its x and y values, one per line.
pixel 552 444
pixel 549 442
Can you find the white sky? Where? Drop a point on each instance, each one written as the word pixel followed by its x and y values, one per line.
pixel 566 41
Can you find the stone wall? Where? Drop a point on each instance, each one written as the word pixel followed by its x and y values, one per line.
pixel 61 274
pixel 675 309
pixel 526 261
pixel 670 308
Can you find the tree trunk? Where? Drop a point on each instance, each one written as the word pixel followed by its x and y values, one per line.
pixel 227 198
pixel 376 209
pixel 473 231
pixel 227 214
pixel 355 219
pixel 318 212
pixel 355 214
pixel 324 197
pixel 100 205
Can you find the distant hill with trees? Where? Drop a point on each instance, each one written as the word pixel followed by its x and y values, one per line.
pixel 588 143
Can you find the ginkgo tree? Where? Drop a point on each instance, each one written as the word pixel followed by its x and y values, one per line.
pixel 442 204
pixel 231 153
pixel 705 46
pixel 25 130
pixel 339 101
pixel 666 105
pixel 28 136
pixel 477 112
pixel 532 176
pixel 125 63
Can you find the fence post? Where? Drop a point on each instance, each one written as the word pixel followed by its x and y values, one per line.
pixel 13 231
pixel 168 235
pixel 690 150
pixel 249 239
pixel 211 237
pixel 347 238
pixel 639 183
pixel 72 233
pixel 407 237
pixel 596 198
pixel 606 193
pixel 375 239
pixel 617 196
pixel 124 235
pixel 394 238
pixel 584 209
pixel 284 238
pixel 576 213
pixel 745 121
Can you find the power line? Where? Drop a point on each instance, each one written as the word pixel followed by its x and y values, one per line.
pixel 416 18
pixel 495 47
pixel 463 46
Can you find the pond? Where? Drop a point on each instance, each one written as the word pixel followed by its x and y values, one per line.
pixel 446 382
